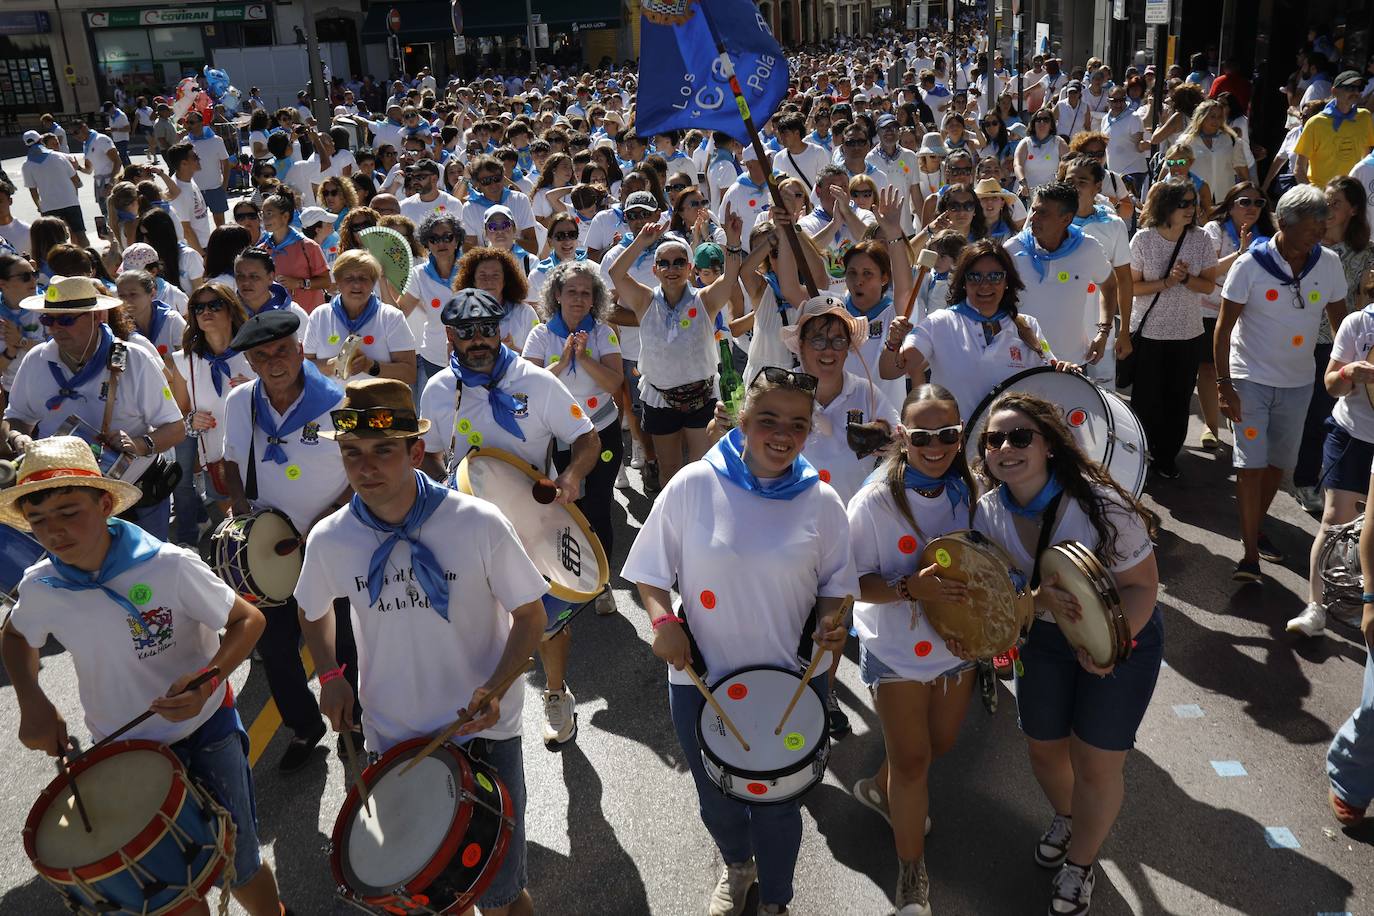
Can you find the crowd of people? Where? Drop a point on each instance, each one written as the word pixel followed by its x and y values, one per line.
pixel 795 344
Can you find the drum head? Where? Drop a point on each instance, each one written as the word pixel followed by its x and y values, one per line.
pixel 18 551
pixel 992 618
pixel 1095 631
pixel 411 817
pixel 275 574
pixel 754 699
pixel 558 538
pixel 122 792
pixel 1084 410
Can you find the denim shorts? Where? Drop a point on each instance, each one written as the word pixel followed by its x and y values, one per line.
pixel 221 768
pixel 216 200
pixel 873 672
pixel 508 760
pixel 556 614
pixel 1057 697
pixel 631 368
pixel 1270 430
pixel 1345 459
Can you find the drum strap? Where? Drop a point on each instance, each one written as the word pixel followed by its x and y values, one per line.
pixel 1047 523
pixel 117 363
pixel 250 480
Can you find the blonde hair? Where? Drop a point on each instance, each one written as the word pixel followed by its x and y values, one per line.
pixel 1191 132
pixel 360 260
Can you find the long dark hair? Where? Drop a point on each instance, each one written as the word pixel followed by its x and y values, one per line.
pixel 1357 230
pixel 1082 478
pixel 1264 223
pixel 894 466
pixel 226 243
pixel 157 228
pixel 986 248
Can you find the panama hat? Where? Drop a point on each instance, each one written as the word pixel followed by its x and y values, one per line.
pixel 393 406
pixel 990 187
pixel 932 144
pixel 70 296
pixel 61 461
pixel 817 306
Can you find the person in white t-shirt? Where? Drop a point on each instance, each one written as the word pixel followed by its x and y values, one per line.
pixel 429 289
pixel 461 615
pixel 188 204
pixel 384 344
pixel 13 231
pixel 1100 222
pixel 1080 718
pixel 798 158
pixel 53 184
pixel 428 197
pixel 215 163
pixel 492 189
pixel 143 620
pixel 1271 308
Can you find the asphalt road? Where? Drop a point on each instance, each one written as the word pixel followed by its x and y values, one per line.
pixel 1226 794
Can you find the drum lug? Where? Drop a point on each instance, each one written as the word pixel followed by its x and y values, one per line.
pixel 329 847
pixel 726 782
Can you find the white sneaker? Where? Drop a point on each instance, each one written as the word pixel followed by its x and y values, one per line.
pixel 1311 622
pixel 622 480
pixel 1073 890
pixel 605 604
pixel 1053 847
pixel 732 889
pixel 560 716
pixel 637 456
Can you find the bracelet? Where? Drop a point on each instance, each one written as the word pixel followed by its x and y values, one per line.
pixel 327 676
pixel 899 584
pixel 214 679
pixel 661 620
pixel 1367 598
pixel 1223 381
pixel 738 249
pixel 1104 326
pixel 887 345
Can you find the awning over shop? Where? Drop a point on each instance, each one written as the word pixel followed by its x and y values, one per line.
pixel 430 20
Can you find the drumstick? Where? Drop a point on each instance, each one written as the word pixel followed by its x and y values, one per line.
pixel 496 692
pixel 845 607
pixel 195 684
pixel 926 260
pixel 76 793
pixel 715 704
pixel 358 783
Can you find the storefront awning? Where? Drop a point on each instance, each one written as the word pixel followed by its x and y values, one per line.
pixel 431 20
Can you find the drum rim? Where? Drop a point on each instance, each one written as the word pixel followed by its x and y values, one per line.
pixel 556 589
pixel 1021 599
pixel 757 775
pixel 1138 486
pixel 143 841
pixel 1092 569
pixel 416 883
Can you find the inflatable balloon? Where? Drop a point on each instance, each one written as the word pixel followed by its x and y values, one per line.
pixel 205 105
pixel 230 100
pixel 216 81
pixel 185 94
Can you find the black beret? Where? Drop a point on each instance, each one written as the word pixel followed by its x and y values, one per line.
pixel 264 328
pixel 471 305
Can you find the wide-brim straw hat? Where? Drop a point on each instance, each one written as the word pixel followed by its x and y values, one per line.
pixel 384 394
pixel 990 187
pixel 71 296
pixel 825 305
pixel 61 461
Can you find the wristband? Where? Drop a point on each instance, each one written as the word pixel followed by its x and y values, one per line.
pixel 1367 598
pixel 901 587
pixel 892 348
pixel 214 679
pixel 327 676
pixel 661 620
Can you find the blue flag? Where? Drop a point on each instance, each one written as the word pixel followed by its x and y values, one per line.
pixel 687 84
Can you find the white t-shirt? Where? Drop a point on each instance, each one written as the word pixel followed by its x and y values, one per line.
pixel 313 475
pixel 747 200
pixel 1042 162
pixel 1217 164
pixel 1068 120
pixel 189 207
pixel 384 336
pixel 212 156
pixel 1273 338
pixel 96 151
pixel 834 243
pixel 477 206
pixel 121 667
pixel 16 232
pixel 119 125
pixel 679 163
pixel 884 543
pixel 340 159
pixel 1123 157
pixel 211 447
pixel 746 596
pixel 804 165
pixel 1061 315
pixel 415 209
pixel 415 668
pixel 52 177
pixel 605 229
pixel 1353 341
pixel 432 295
pixel 827 447
pixel 720 175
pixel 169 336
pixel 520 319
pixel 303 175
pixel 864 362
pixel 962 360
pixel 598 405
pixel 1362 171
pixel 766 347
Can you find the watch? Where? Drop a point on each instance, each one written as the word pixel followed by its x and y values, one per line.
pixel 305 284
pixel 152 446
pixel 375 369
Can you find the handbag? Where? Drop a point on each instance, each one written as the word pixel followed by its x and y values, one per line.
pixel 688 398
pixel 1125 367
pixel 161 477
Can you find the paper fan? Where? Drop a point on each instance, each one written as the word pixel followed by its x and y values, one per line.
pixel 390 248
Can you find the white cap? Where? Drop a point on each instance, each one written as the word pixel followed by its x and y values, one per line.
pixel 749 154
pixel 31 137
pixel 311 216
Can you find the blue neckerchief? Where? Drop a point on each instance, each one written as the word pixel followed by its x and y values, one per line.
pixel 873 313
pixel 999 229
pixel 429 496
pixel 1039 256
pixel 724 155
pixel 343 215
pixel 1266 255
pixel 523 159
pixel 629 239
pixel 725 457
pixel 955 487
pixel 205 134
pixel 559 327
pixel 553 260
pixel 822 142
pixel 130 545
pixel 126 216
pixel 1100 214
pixel 293 235
pixel 821 215
pixel 748 182
pixel 432 271
pixel 677 155
pixel 964 310
pixel 283 166
pixel 68 387
pixel 503 405
pixel 1039 143
pixel 1048 492
pixel 36 152
pixel 1230 226
pixel 277 298
pixel 219 367
pixel 86 147
pixel 488 203
pixel 1337 118
pixel 320 394
pixel 157 319
pixel 771 279
pixel 354 325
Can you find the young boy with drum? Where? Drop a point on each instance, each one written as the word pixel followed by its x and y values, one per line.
pixel 141 619
pixel 449 605
pixel 921 690
pixel 746 602
pixel 1079 718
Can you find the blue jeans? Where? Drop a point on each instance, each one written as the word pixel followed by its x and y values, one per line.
pixel 186 500
pixel 218 762
pixel 156 520
pixel 771 834
pixel 508 759
pixel 1350 761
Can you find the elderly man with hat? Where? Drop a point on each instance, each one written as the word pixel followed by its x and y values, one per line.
pixel 108 392
pixel 142 620
pixel 276 459
pixel 1334 140
pixel 448 607
pixel 491 398
pixel 898 163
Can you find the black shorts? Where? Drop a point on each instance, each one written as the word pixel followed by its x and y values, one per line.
pixel 71 216
pixel 664 421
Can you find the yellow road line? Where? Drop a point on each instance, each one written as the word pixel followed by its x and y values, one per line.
pixel 269 718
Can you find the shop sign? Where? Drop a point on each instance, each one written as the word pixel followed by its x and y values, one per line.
pixel 184 15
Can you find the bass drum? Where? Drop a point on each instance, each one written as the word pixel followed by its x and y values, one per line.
pixel 1104 425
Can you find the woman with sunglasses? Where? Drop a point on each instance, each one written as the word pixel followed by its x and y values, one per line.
pixel 498 231
pixel 338 197
pixel 1038 155
pixel 20 330
pixel 745 598
pixel 920 689
pixel 248 215
pixel 495 271
pixel 387 347
pixel 692 219
pixel 563 247
pixel 429 289
pixel 1079 719
pixel 359 218
pixel 997 142
pixel 955 131
pixel 301 266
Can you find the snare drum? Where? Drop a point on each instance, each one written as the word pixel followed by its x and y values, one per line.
pixel 259 555
pixel 558 538
pixel 158 842
pixel 999 606
pixel 1102 629
pixel 776 768
pixel 436 836
pixel 1104 425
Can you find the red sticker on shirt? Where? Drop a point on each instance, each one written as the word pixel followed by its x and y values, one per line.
pixel 1272 295
pixel 922 649
pixel 592 402
pixel 434 303
pixel 907 544
pixel 1297 340
pixel 369 339
pixel 162 348
pixel 691 313
pixel 824 475
pixel 737 692
pixel 708 600
pixel 753 203
pixel 1092 287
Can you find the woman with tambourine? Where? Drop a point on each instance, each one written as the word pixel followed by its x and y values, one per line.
pixel 921 690
pixel 1079 718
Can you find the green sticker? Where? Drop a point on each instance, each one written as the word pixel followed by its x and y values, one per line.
pixel 293 472
pixel 333 338
pixel 613 339
pixel 686 322
pixel 566 614
pixel 1314 297
pixel 794 741
pixel 1063 276
pixel 464 426
pixel 167 394
pixel 141 593
pixel 607 455
pixel 589 352
pixel 475 439
pixel 535 323
pixel 554 359
pixel 942 557
pixel 484 782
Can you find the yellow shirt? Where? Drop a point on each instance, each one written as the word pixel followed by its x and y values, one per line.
pixel 1330 152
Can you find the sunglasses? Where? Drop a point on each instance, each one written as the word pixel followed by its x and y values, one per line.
pixel 1094 153
pixel 960 170
pixel 977 278
pixel 967 206
pixel 446 238
pixel 239 217
pixel 331 192
pixel 1250 201
pixel 206 305
pixel 1176 163
pixel 1188 202
pixel 779 376
pixel 1019 438
pixel 857 144
pixel 489 180
pixel 945 435
pixel 470 329
pixel 500 225
pixel 822 343
pixel 674 264
pixel 26 276
pixel 675 188
pixel 347 419
pixel 359 227
pixel 566 236
pixel 61 321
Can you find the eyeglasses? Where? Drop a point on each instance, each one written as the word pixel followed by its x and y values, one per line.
pixel 61 321
pixel 862 192
pixel 489 180
pixel 359 227
pixel 779 376
pixel 206 305
pixel 331 192
pixel 821 343
pixel 347 419
pixel 977 278
pixel 565 236
pixel 1098 153
pixel 674 264
pixel 470 329
pixel 26 276
pixel 966 206
pixel 1175 163
pixel 447 238
pixel 500 225
pixel 1019 438
pixel 946 435
pixel 1250 201
pixel 857 144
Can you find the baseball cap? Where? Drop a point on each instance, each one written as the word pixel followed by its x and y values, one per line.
pixel 31 137
pixel 709 254
pixel 749 154
pixel 426 165
pixel 886 120
pixel 1348 79
pixel 311 216
pixel 641 200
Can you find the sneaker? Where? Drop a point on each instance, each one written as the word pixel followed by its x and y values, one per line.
pixel 913 888
pixel 871 797
pixel 1210 441
pixel 1311 622
pixel 637 456
pixel 1247 571
pixel 732 889
pixel 1310 498
pixel 298 751
pixel 605 603
pixel 1267 551
pixel 560 716
pixel 1168 471
pixel 1053 847
pixel 1073 890
pixel 1347 814
pixel 838 721
pixel 650 478
pixel 622 479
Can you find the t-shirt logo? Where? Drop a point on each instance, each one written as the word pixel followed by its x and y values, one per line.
pixel 155 635
pixel 875 330
pixel 522 405
pixel 310 433
pixel 1016 357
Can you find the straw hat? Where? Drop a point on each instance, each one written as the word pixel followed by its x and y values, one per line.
pixel 61 461
pixel 384 394
pixel 825 305
pixel 71 296
pixel 990 187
